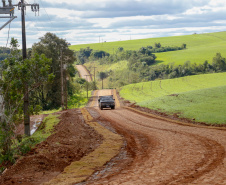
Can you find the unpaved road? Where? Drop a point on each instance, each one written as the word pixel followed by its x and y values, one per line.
pixel 164 152
pixel 84 73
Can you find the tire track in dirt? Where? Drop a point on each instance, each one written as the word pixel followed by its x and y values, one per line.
pixel 213 155
pixel 163 152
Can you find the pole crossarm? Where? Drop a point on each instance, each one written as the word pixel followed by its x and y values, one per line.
pixel 12 18
pixel 9 10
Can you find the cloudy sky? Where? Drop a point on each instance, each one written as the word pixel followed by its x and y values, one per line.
pixel 93 21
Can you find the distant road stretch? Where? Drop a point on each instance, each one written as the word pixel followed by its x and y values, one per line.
pixel 83 73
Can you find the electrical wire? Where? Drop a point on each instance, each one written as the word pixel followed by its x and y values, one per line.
pixel 46 13
pixel 8 36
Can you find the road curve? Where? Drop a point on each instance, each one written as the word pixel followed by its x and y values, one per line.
pixel 164 152
pixel 84 73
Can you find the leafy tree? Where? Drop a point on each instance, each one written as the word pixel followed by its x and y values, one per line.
pixel 219 62
pixel 83 54
pixel 183 46
pixel 102 76
pixel 4 53
pixel 157 45
pixel 149 60
pixel 15 73
pixel 100 54
pixel 143 50
pixel 120 49
pixel 57 49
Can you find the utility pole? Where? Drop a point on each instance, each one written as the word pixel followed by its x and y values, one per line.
pixel 94 77
pixel 62 80
pixel 35 8
pixel 10 10
pixel 26 92
pixel 87 86
pixel 94 72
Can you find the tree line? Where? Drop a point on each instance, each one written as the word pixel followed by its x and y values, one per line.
pixel 141 64
pixel 144 54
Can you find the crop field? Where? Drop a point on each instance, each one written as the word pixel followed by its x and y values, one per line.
pixel 200 97
pixel 107 67
pixel 200 47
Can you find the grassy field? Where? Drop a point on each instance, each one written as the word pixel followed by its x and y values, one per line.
pixel 200 97
pixel 118 67
pixel 200 47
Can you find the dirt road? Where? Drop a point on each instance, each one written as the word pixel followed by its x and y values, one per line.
pixel 162 151
pixel 84 73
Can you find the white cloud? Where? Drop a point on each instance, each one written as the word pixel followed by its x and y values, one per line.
pixel 88 20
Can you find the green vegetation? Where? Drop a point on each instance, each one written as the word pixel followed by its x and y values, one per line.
pixel 48 96
pixel 200 47
pixel 200 97
pixel 23 144
pixel 43 132
pixel 78 100
pixel 4 53
pixel 205 105
pixel 16 72
pixel 142 65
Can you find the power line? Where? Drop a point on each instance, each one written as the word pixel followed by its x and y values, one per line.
pixel 46 13
pixel 8 36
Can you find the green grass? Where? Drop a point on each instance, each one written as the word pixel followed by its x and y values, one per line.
pixel 200 47
pixel 118 67
pixel 121 65
pixel 79 100
pixel 202 97
pixel 43 132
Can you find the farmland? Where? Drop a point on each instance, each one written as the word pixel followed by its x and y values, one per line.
pixel 200 47
pixel 200 97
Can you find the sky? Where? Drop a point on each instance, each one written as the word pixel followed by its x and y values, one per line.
pixel 94 21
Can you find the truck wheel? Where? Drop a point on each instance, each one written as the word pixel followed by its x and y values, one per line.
pixel 113 107
pixel 101 108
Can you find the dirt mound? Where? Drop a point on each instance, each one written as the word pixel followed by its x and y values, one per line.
pixel 72 139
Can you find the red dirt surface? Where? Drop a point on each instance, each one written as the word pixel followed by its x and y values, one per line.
pixel 156 151
pixel 165 152
pixel 71 141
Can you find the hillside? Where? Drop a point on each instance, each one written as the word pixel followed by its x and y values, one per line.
pixel 200 97
pixel 200 47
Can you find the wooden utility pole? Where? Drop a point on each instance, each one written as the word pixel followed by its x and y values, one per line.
pixel 94 72
pixel 62 81
pixel 26 95
pixel 35 8
pixel 94 77
pixel 87 86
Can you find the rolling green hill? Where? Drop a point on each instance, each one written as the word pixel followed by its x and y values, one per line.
pixel 200 47
pixel 200 97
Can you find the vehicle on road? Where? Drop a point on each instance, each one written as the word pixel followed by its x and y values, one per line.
pixel 106 102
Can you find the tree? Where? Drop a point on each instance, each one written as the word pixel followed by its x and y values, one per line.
pixel 148 60
pixel 57 49
pixel 83 54
pixel 100 54
pixel 219 62
pixel 183 46
pixel 102 76
pixel 157 45
pixel 15 72
pixel 120 49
